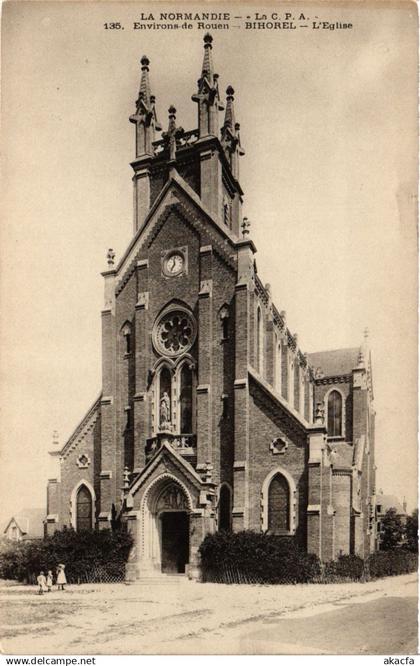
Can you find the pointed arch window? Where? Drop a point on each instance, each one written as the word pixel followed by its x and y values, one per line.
pixel 127 335
pixel 224 323
pixel 296 382
pixel 186 400
pixel 278 505
pixel 225 510
pixel 83 509
pixel 278 367
pixel 260 341
pixel 165 402
pixel 335 414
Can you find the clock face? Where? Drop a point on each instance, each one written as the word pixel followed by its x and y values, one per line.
pixel 174 264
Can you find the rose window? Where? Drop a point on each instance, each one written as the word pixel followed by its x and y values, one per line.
pixel 175 333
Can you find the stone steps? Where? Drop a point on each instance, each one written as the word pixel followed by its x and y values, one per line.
pixel 162 579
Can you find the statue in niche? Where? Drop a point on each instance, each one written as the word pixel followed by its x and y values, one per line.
pixel 165 411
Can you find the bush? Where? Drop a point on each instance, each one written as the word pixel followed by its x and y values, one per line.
pixel 81 552
pixel 252 557
pixel 392 563
pixel 348 567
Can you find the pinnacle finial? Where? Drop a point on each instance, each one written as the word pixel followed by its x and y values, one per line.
pixel 207 95
pixel 110 257
pixel 145 116
pixel 245 226
pixel 230 111
pixel 207 69
pixel 145 93
pixel 173 134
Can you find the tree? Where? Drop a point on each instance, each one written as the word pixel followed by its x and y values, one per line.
pixel 392 531
pixel 411 530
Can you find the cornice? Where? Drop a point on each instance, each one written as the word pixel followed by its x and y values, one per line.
pixel 333 379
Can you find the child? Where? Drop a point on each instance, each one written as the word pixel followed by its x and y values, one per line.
pixel 42 583
pixel 61 577
pixel 49 581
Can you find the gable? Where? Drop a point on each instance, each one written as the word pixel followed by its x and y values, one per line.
pixel 176 194
pixel 166 460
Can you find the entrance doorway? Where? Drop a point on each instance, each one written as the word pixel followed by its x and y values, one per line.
pixel 175 541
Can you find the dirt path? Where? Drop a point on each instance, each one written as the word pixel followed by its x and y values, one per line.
pixel 176 618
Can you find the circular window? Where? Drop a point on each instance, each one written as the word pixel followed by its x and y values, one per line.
pixel 174 333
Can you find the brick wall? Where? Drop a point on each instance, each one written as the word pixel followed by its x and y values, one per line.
pixel 268 422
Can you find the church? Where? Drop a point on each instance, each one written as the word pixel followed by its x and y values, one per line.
pixel 210 417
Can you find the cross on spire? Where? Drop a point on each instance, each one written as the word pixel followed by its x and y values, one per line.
pixel 145 116
pixel 174 133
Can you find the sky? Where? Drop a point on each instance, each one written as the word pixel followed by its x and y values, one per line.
pixel 328 123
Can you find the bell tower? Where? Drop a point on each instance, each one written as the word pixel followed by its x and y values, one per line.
pixel 207 158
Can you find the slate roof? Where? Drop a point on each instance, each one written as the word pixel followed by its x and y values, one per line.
pixel 335 362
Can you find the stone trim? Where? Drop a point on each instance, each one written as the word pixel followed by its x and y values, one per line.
pixel 142 301
pixel 178 460
pixel 240 464
pixel 105 474
pixel 313 508
pixel 277 398
pixel 73 501
pixel 337 379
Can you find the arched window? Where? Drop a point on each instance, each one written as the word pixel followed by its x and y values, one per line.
pixel 126 332
pixel 225 508
pixel 186 401
pixel 278 367
pixel 83 509
pixel 291 396
pixel 165 413
pixel 335 414
pixel 259 341
pixel 284 371
pixel 278 505
pixel 296 397
pixel 224 320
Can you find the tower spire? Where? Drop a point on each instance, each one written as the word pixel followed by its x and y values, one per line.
pixel 207 96
pixel 231 140
pixel 145 117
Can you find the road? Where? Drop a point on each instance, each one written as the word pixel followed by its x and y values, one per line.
pixel 382 626
pixel 378 617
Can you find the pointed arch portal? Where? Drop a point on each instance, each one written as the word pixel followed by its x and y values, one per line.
pixel 166 523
